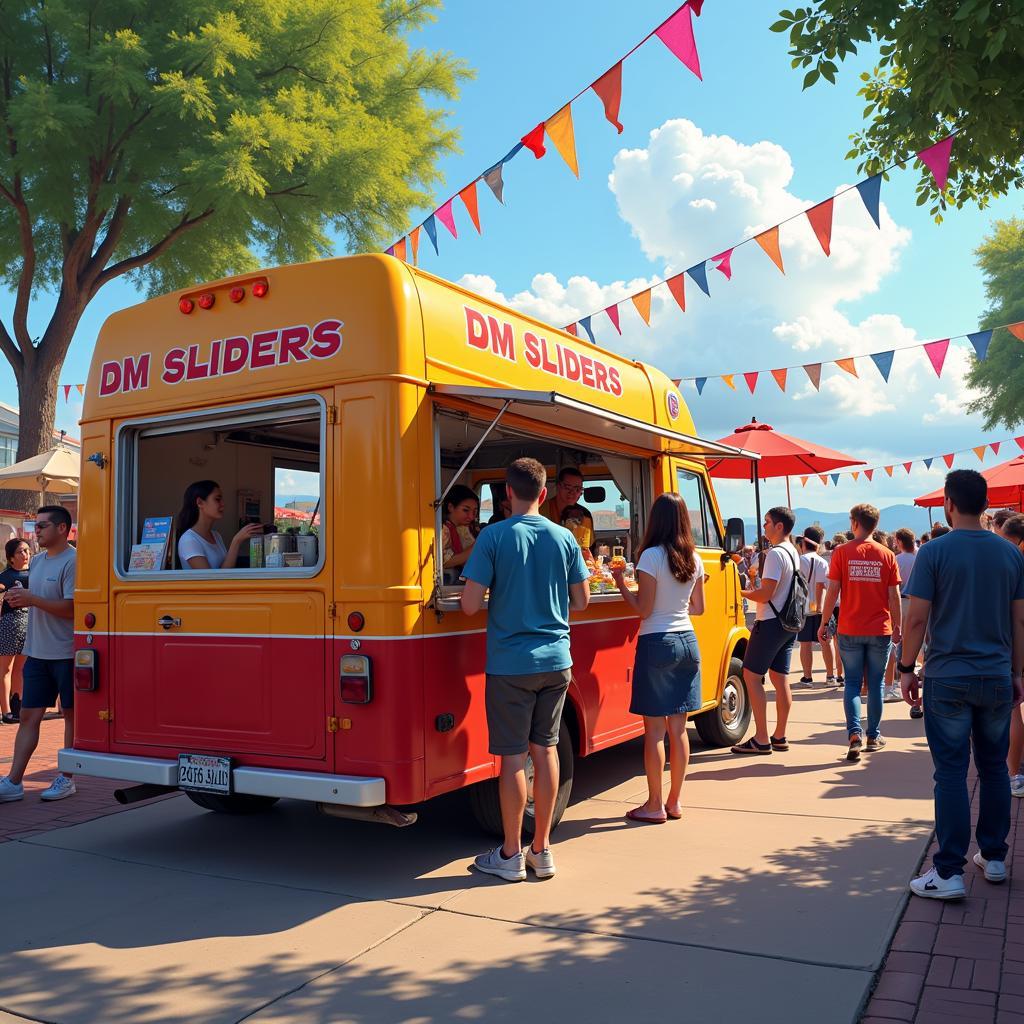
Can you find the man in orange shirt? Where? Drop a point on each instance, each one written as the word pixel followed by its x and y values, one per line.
pixel 868 578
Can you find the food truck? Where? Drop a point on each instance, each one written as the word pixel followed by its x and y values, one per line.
pixel 336 665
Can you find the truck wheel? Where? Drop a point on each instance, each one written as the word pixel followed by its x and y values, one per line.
pixel 727 724
pixel 236 803
pixel 486 805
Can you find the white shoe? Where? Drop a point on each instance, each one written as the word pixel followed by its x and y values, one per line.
pixel 995 870
pixel 892 695
pixel 60 788
pixel 931 885
pixel 10 791
pixel 831 681
pixel 512 869
pixel 543 863
pixel 803 684
pixel 1017 785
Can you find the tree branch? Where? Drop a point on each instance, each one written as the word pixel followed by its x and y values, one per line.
pixel 115 228
pixel 28 269
pixel 11 351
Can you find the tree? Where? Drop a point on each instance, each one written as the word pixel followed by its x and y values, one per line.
pixel 1000 377
pixel 182 140
pixel 943 65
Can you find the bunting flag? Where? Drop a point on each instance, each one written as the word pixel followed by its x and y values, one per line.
pixel 573 331
pixel 701 381
pixel 813 370
pixel 677 34
pixel 751 379
pixel 928 463
pixel 613 315
pixel 980 341
pixel 936 352
pixel 67 391
pixel 869 473
pixel 823 479
pixel 780 378
pixel 609 88
pixel 936 159
pixel 883 360
pixel 677 286
pixel 835 479
pixel 699 273
pixel 560 132
pixel 390 251
pixel 495 182
pixel 430 226
pixel 533 140
pixel 820 217
pixel 980 452
pixel 1017 330
pixel 948 459
pixel 81 388
pixel 849 365
pixel 400 250
pixel 722 263
pixel 803 481
pixel 870 191
pixel 446 215
pixel 888 470
pixel 727 377
pixel 642 301
pixel 855 475
pixel 414 242
pixel 468 197
pixel 995 447
pixel 906 466
pixel 585 324
pixel 769 242
pixel 1020 442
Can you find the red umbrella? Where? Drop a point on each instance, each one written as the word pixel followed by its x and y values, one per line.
pixel 781 455
pixel 1005 486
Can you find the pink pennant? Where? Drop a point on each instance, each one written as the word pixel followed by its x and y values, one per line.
pixel 613 315
pixel 571 329
pixel 751 379
pixel 67 391
pixel 936 159
pixel 995 447
pixel 446 215
pixel 936 352
pixel 723 262
pixel 1020 442
pixel 677 35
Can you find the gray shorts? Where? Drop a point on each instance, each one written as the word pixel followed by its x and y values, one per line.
pixel 525 709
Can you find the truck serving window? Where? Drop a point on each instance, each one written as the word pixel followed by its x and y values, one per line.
pixel 268 464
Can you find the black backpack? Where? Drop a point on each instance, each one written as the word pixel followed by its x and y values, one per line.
pixel 794 612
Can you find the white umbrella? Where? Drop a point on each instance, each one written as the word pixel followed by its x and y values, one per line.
pixel 57 470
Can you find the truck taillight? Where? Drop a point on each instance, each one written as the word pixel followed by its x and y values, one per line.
pixel 186 305
pixel 260 289
pixel 206 300
pixel 85 670
pixel 356 679
pixel 236 294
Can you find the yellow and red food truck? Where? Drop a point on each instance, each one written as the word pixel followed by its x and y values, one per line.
pixel 341 669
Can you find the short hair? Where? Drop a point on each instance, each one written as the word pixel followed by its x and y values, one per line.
pixel 59 515
pixel 527 478
pixel 828 545
pixel 782 514
pixel 12 545
pixel 905 536
pixel 567 471
pixel 880 537
pixel 848 535
pixel 925 537
pixel 839 539
pixel 1001 515
pixel 938 530
pixel 1013 527
pixel 865 516
pixel 967 489
pixel 815 534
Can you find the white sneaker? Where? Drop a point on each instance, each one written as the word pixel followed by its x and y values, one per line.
pixel 831 681
pixel 1017 785
pixel 931 885
pixel 892 694
pixel 60 788
pixel 803 684
pixel 512 869
pixel 10 791
pixel 543 863
pixel 995 870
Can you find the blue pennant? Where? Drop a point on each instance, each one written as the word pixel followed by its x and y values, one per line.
pixel 699 273
pixel 430 226
pixel 835 479
pixel 883 360
pixel 585 324
pixel 700 382
pixel 511 153
pixel 980 342
pixel 870 189
pixel 928 463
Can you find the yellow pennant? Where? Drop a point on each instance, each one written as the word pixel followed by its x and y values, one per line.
pixel 980 452
pixel 560 131
pixel 728 378
pixel 855 475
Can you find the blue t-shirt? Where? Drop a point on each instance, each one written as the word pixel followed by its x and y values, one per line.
pixel 529 563
pixel 971 577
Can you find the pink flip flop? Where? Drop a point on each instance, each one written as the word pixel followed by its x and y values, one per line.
pixel 646 819
pixel 674 816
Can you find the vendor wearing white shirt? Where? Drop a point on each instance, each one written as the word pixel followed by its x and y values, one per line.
pixel 199 545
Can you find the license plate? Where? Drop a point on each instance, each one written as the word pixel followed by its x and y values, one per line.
pixel 203 773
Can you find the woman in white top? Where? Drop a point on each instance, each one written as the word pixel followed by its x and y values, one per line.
pixel 666 672
pixel 199 545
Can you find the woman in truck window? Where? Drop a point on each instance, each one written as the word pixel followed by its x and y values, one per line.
pixel 200 546
pixel 666 673
pixel 460 529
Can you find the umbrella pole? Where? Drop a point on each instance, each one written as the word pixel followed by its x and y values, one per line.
pixel 789 499
pixel 757 524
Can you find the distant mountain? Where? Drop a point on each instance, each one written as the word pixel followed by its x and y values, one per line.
pixel 893 517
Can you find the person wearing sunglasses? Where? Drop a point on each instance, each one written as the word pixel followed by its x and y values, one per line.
pixel 49 649
pixel 568 491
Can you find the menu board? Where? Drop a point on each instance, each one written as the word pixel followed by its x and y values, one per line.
pixel 151 552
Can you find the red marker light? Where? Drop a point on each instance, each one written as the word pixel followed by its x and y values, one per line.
pixel 260 288
pixel 186 305
pixel 206 300
pixel 236 294
pixel 90 620
pixel 356 621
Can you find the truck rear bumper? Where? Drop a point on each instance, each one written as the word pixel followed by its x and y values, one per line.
pixel 348 790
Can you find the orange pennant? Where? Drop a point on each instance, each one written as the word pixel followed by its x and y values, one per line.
pixel 888 470
pixel 642 301
pixel 414 239
pixel 609 88
pixel 1017 330
pixel 855 474
pixel 820 217
pixel 400 251
pixel 823 479
pixel 849 365
pixel 769 241
pixel 468 196
pixel 980 452
pixel 803 481
pixel 728 378
pixel 560 132
pixel 780 378
pixel 676 285
pixel 81 388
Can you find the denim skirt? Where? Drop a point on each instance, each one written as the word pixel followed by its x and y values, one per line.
pixel 666 675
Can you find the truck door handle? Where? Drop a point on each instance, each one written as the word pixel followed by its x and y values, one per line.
pixel 168 622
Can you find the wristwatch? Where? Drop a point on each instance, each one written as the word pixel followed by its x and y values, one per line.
pixel 901 668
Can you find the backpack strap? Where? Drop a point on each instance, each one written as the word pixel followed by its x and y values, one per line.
pixel 792 584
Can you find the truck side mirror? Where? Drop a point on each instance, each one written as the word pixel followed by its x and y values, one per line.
pixel 593 495
pixel 735 535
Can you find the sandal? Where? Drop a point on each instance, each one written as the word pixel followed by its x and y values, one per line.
pixel 752 747
pixel 674 815
pixel 779 743
pixel 647 819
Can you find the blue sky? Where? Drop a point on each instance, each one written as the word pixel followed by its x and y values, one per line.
pixel 631 218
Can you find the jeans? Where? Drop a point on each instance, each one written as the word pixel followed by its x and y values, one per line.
pixel 957 711
pixel 858 653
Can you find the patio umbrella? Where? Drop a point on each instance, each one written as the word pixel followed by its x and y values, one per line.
pixel 1005 487
pixel 781 455
pixel 55 470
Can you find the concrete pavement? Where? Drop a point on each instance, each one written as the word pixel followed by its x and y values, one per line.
pixel 773 899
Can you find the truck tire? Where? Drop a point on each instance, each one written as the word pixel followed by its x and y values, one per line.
pixel 486 805
pixel 236 803
pixel 727 724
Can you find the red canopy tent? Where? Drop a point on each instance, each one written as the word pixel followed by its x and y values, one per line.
pixel 1005 487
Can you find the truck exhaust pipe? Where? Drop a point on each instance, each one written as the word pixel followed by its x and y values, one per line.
pixel 383 815
pixel 146 791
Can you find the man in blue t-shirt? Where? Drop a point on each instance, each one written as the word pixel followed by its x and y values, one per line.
pixel 967 588
pixel 536 573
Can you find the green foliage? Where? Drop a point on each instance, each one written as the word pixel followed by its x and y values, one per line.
pixel 943 65
pixel 1000 377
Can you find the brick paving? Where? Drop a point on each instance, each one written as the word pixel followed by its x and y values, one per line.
pixel 961 962
pixel 24 818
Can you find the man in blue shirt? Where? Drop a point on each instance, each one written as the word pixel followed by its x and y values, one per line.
pixel 967 588
pixel 536 573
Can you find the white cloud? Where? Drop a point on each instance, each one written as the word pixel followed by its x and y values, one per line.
pixel 703 204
